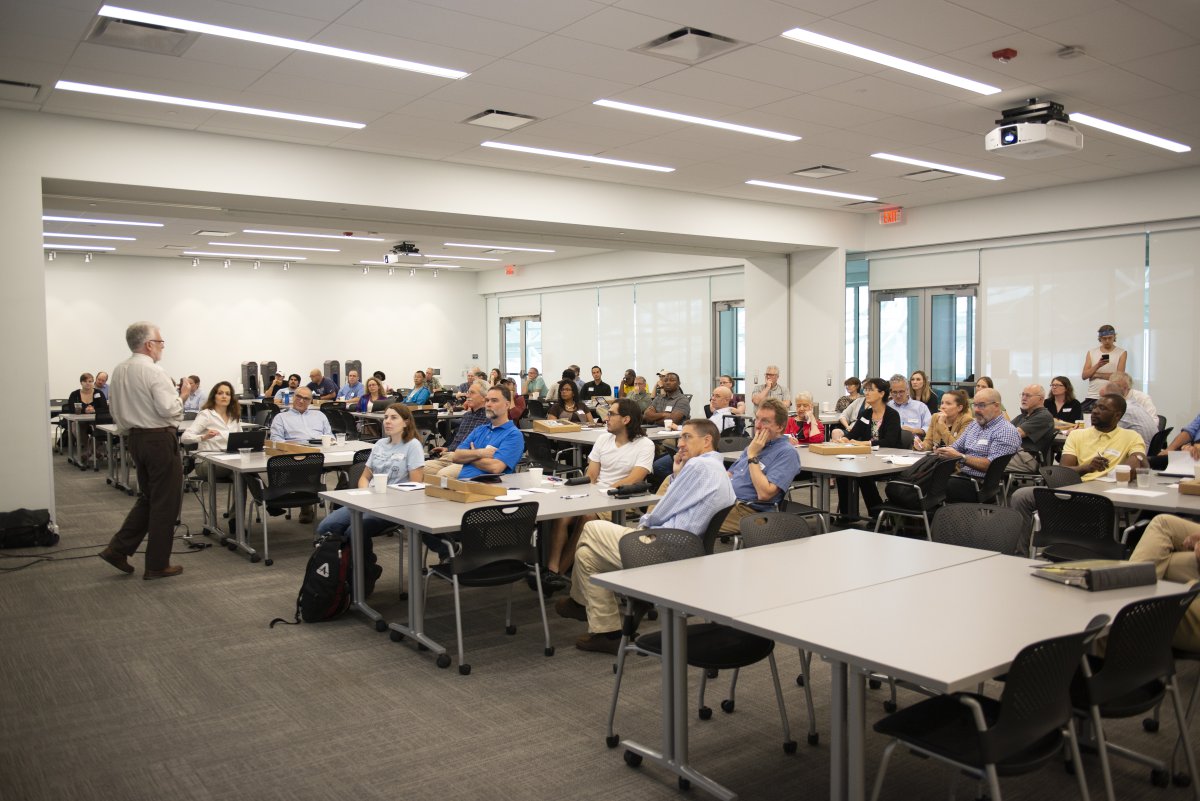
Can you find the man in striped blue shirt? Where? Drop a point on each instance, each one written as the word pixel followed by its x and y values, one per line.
pixel 699 489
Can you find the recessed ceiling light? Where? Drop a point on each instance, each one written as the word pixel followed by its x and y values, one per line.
pixel 57 246
pixel 671 115
pixel 366 261
pixel 837 45
pixel 129 94
pixel 49 218
pixel 242 255
pixel 496 247
pixel 933 165
pixel 463 258
pixel 445 266
pixel 792 188
pixel 87 236
pixel 537 151
pixel 1131 133
pixel 272 247
pixel 277 41
pixel 314 236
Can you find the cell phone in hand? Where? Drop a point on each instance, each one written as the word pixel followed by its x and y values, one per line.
pixel 1104 358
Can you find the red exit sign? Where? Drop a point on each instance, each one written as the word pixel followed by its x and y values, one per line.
pixel 891 216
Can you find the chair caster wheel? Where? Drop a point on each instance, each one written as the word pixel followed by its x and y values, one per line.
pixel 231 546
pixel 1160 778
pixel 789 747
pixel 684 784
pixel 705 713
pixel 443 660
pixel 464 670
pixel 423 647
pixel 612 740
pixel 404 596
pixel 268 562
pixel 814 739
pixel 1181 780
pixel 712 673
pixel 223 541
pixel 381 626
pixel 889 707
pixel 395 636
pixel 800 680
pixel 633 760
pixel 1150 725
pixel 255 558
pixel 108 481
pixel 510 630
pixel 652 614
pixel 548 651
pixel 727 706
pixel 874 684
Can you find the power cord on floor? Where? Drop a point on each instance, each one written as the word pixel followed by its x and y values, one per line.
pixel 54 556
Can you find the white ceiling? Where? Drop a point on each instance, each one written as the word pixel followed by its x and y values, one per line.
pixel 552 58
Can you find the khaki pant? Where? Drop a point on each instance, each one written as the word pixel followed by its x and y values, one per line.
pixel 598 552
pixel 442 466
pixel 1162 544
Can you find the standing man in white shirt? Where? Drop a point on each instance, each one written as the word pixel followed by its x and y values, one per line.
pixel 147 411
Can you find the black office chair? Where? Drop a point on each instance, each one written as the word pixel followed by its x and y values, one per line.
pixel 1074 525
pixel 293 480
pixel 732 443
pixel 1045 458
pixel 710 646
pixel 1158 442
pixel 980 525
pixel 914 500
pixel 382 404
pixel 441 398
pixel 1015 734
pixel 341 421
pixel 536 407
pixel 1150 724
pixel 263 417
pixel 1162 422
pixel 906 439
pixel 990 489
pixel 1135 674
pixel 1056 476
pixel 539 452
pixel 426 421
pixel 496 545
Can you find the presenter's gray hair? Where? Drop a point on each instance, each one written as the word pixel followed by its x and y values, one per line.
pixel 138 334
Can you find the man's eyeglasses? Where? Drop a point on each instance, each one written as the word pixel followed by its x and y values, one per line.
pixel 1030 395
pixel 982 404
pixel 162 342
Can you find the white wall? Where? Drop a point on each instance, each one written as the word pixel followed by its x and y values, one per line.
pixel 213 318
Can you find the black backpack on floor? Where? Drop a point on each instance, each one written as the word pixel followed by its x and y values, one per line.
pixel 26 528
pixel 325 592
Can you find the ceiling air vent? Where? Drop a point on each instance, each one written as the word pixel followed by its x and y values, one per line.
pixel 821 171
pixel 504 120
pixel 140 36
pixel 689 46
pixel 202 232
pixel 927 175
pixel 865 205
pixel 18 90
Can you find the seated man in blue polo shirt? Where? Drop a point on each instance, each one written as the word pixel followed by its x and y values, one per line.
pixel 322 387
pixel 914 415
pixel 353 389
pixel 988 437
pixel 765 469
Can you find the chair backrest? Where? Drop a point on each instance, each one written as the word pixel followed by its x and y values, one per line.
pixel 1056 476
pixel 732 443
pixel 1076 519
pixel 714 527
pixel 496 534
pixel 766 528
pixel 657 545
pixel 357 466
pixel 906 439
pixel 296 471
pixel 536 407
pixel 1158 441
pixel 933 488
pixel 539 450
pixel 425 419
pixel 1138 649
pixel 1162 422
pixel 993 478
pixel 441 397
pixel 382 404
pixel 979 525
pixel 263 417
pixel 1036 698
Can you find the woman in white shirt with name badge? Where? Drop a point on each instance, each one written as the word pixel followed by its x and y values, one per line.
pixel 220 416
pixel 622 455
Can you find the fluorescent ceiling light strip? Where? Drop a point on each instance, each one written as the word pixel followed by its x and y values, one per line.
pixel 87 236
pixel 373 262
pixel 109 91
pixel 272 247
pixel 54 246
pixel 837 45
pixel 671 115
pixel 251 256
pixel 48 218
pixel 794 188
pixel 1131 133
pixel 933 165
pixel 462 258
pixel 494 247
pixel 313 236
pixel 537 151
pixel 277 41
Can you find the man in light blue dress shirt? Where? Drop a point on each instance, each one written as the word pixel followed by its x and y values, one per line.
pixel 353 389
pixel 699 489
pixel 914 415
pixel 300 423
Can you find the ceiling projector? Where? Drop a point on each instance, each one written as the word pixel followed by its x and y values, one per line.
pixel 400 251
pixel 1034 131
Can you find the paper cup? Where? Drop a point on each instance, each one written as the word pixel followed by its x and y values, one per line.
pixel 1121 472
pixel 536 474
pixel 327 439
pixel 379 483
pixel 340 439
pixel 1143 478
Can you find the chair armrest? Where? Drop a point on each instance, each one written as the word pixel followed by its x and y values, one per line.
pixel 915 486
pixel 976 712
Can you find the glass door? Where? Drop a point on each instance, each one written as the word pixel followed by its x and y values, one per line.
pixel 925 329
pixel 521 345
pixel 729 349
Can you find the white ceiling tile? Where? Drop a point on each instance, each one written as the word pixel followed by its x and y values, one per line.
pixel 574 137
pixel 882 95
pixel 356 73
pixel 413 127
pixel 619 29
pixel 1178 69
pixel 1027 14
pixel 232 53
pixel 243 17
pixel 959 118
pixel 532 78
pixel 439 26
pixel 395 144
pixel 326 10
pixel 435 109
pixel 910 21
pixel 386 43
pixel 328 94
pixel 93 57
pixel 824 8
pixel 1116 34
pixel 1183 15
pixel 738 92
pixel 115 108
pixel 584 58
pixel 1173 111
pixel 779 68
pixel 691 150
pixel 903 130
pixel 45 19
pixel 669 101
pixel 544 15
pixel 835 113
pixel 745 20
pixel 482 96
pixel 1106 86
pixel 1090 172
pixel 265 127
pixel 18 47
pixel 855 35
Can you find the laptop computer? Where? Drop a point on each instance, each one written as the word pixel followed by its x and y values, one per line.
pixel 246 439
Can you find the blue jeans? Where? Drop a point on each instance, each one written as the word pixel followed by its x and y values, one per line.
pixel 339 523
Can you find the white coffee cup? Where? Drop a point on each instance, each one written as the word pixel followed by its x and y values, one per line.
pixel 825 406
pixel 327 440
pixel 535 475
pixel 1122 473
pixel 379 482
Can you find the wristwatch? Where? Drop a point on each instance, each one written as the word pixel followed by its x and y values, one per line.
pixel 754 460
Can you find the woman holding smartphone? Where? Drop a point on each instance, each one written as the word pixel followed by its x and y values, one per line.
pixel 1101 362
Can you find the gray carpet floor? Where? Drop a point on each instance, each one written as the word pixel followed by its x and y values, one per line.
pixel 114 687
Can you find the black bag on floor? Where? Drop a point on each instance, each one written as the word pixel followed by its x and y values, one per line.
pixel 326 590
pixel 919 473
pixel 26 528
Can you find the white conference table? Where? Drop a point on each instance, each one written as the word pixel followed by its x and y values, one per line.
pixel 868 603
pixel 74 452
pixel 588 436
pixel 419 514
pixel 853 466
pixel 335 456
pixel 1162 495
